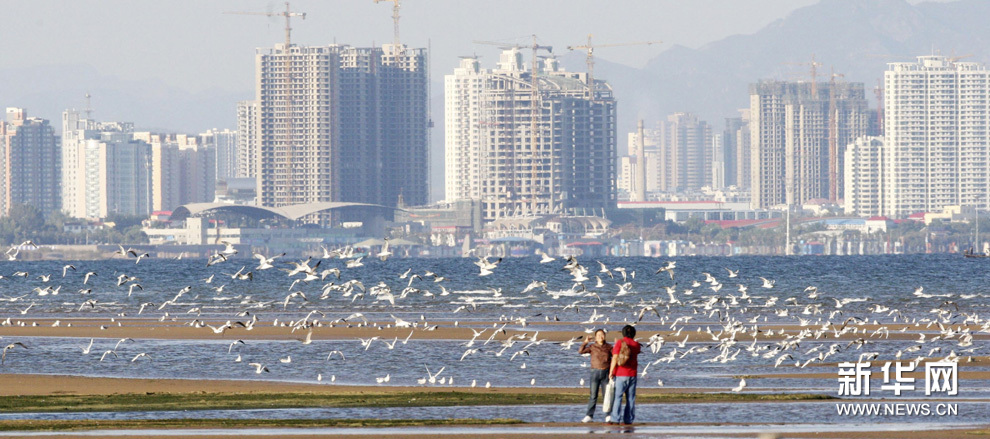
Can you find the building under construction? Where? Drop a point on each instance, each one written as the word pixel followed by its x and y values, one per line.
pixel 798 132
pixel 525 151
pixel 339 123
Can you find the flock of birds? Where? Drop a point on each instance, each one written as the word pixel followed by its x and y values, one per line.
pixel 707 320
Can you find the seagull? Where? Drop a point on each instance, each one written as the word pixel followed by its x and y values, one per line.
pixel 266 263
pixel 258 368
pixel 121 341
pixel 86 349
pixel 546 258
pixel 231 346
pixel 732 273
pixel 106 353
pixel 336 352
pixel 143 354
pixel 355 263
pixel 384 379
pixel 9 347
pixel 229 249
pixel 767 283
pixel 87 276
pixel 742 385
pixel 367 343
pixel 385 253
pixel 66 268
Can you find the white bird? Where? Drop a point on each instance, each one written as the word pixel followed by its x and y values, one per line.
pixel 266 263
pixel 258 368
pixel 86 349
pixel 231 346
pixel 367 343
pixel 143 354
pixel 385 253
pixel 108 352
pixel 67 267
pixel 384 379
pixel 9 347
pixel 742 385
pixel 87 276
pixel 336 352
pixel 286 360
pixel 767 283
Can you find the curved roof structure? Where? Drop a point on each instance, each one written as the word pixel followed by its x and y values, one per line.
pixel 297 211
pixel 197 209
pixel 292 212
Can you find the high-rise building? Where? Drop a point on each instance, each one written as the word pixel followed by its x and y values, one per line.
pixel 686 153
pixel 735 146
pixel 936 148
pixel 182 170
pixel 651 153
pixel 718 162
pixel 105 170
pixel 863 176
pixel 348 124
pixel 30 162
pixel 225 143
pixel 791 131
pixel 247 139
pixel 518 156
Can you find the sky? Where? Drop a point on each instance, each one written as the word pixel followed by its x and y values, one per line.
pixel 195 46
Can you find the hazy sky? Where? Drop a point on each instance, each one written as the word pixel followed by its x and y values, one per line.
pixel 193 45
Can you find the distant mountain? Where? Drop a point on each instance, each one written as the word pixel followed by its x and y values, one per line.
pixel 855 37
pixel 46 91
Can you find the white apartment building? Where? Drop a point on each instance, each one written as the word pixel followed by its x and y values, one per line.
pixel 937 145
pixel 563 161
pixel 226 144
pixel 104 169
pixel 862 179
pixel 247 139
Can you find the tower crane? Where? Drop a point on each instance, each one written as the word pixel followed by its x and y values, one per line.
pixel 590 59
pixel 395 20
pixel 290 188
pixel 813 67
pixel 287 14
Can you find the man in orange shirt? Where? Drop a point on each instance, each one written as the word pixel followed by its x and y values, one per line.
pixel 601 358
pixel 624 371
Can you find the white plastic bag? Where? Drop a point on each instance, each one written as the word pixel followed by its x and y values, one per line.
pixel 609 396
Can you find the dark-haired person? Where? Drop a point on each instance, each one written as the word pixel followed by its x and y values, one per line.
pixel 601 359
pixel 625 376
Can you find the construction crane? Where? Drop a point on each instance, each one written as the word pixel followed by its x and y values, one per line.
pixel 289 114
pixel 813 67
pixel 395 20
pixel 590 59
pixel 288 14
pixel 833 140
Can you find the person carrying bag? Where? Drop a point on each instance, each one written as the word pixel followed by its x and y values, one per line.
pixel 601 358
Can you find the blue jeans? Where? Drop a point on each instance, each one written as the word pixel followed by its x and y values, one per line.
pixel 599 379
pixel 625 385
